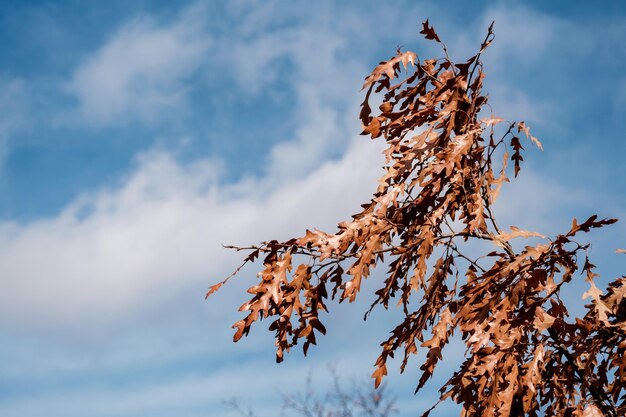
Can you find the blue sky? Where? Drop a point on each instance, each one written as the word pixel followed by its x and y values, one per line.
pixel 136 137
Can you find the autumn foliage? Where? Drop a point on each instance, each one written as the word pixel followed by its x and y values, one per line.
pixel 447 158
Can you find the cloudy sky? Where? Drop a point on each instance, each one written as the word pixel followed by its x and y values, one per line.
pixel 137 137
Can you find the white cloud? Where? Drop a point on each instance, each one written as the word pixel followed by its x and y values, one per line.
pixel 112 252
pixel 313 62
pixel 109 253
pixel 139 73
pixel 512 103
pixel 114 284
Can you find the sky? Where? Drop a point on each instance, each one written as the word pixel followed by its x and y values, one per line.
pixel 138 137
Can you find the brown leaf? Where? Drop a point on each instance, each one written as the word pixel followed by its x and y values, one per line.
pixel 429 32
pixel 388 68
pixel 543 321
pixel 517 156
pixel 213 288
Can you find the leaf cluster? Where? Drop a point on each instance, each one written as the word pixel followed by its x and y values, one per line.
pixel 446 163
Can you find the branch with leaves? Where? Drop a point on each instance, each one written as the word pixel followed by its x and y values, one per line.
pixel 446 162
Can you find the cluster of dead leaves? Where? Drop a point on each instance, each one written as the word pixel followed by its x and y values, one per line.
pixel 445 165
